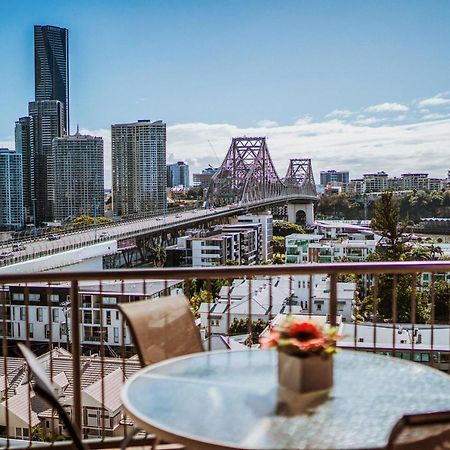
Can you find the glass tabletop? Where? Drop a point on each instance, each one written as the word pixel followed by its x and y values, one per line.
pixel 232 399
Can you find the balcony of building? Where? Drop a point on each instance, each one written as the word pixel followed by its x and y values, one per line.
pixel 87 350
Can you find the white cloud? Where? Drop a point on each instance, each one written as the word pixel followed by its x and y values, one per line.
pixel 360 145
pixel 434 116
pixel 387 107
pixel 8 142
pixel 434 101
pixel 360 148
pixel 267 123
pixel 368 120
pixel 339 113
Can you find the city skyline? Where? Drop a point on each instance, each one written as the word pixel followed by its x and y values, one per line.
pixel 388 110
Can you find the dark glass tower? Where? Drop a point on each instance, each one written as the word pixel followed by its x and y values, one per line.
pixel 51 66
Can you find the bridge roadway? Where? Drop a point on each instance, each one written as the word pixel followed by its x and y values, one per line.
pixel 129 229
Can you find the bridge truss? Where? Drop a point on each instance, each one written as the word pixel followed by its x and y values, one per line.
pixel 248 175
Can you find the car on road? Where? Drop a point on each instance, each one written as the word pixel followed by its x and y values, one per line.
pixel 103 234
pixel 54 237
pixel 178 216
pixel 6 254
pixel 18 246
pixel 159 218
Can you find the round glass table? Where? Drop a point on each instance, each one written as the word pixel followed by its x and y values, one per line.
pixel 231 399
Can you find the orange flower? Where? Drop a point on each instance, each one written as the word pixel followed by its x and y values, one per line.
pixel 308 346
pixel 305 331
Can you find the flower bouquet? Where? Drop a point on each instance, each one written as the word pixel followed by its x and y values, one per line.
pixel 305 352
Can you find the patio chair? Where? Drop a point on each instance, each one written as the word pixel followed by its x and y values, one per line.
pixel 44 388
pixel 429 431
pixel 162 328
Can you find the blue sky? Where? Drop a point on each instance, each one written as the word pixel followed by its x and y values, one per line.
pixel 247 65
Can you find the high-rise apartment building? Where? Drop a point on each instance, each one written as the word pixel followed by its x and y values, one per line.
pixel 375 182
pixel 51 66
pixel 78 180
pixel 23 146
pixel 139 172
pixel 47 119
pixel 333 176
pixel 11 195
pixel 417 181
pixel 178 174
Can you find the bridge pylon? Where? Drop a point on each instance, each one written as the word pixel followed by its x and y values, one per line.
pixel 299 179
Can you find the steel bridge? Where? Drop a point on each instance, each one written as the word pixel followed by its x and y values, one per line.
pixel 246 181
pixel 248 176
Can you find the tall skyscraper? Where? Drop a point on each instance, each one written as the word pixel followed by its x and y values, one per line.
pixel 11 195
pixel 47 119
pixel 23 146
pixel 139 176
pixel 178 174
pixel 78 180
pixel 51 66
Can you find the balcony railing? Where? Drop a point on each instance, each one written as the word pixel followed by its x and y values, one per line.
pixel 391 308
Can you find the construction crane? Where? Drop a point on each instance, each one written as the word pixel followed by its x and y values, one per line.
pixel 214 151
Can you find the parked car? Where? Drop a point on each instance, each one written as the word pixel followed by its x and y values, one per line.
pixel 18 246
pixel 6 254
pixel 178 216
pixel 54 237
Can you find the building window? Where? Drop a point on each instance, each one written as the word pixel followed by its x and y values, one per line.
pixel 34 297
pixel 116 335
pixel 31 330
pixel 22 313
pixel 39 315
pixel 55 315
pixel 109 300
pixel 108 317
pixel 87 301
pixel 87 316
pixel 19 297
pixel 54 298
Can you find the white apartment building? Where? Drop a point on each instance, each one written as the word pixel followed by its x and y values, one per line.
pixel 375 182
pixel 265 298
pixel 298 247
pixel 266 221
pixel 139 171
pixel 48 313
pixel 420 342
pixel 417 181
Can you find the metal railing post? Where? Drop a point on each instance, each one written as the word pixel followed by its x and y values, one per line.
pixel 76 353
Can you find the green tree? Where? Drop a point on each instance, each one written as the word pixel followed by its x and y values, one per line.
pixel 386 222
pixel 197 299
pixel 241 327
pixel 278 245
pixel 284 228
pixel 158 256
